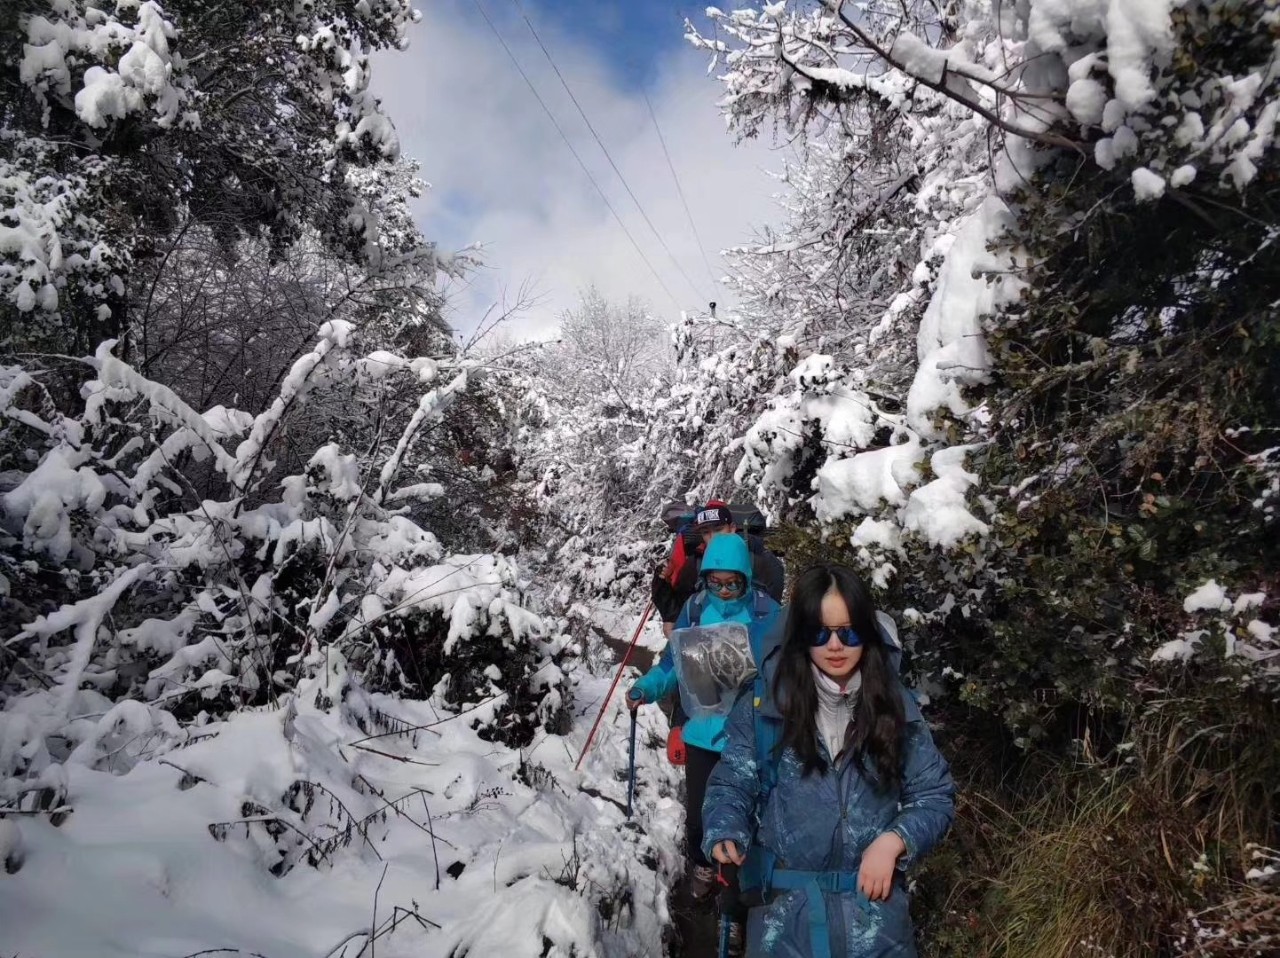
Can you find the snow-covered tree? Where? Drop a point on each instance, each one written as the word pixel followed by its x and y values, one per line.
pixel 957 159
pixel 125 121
pixel 240 493
pixel 222 325
pixel 583 400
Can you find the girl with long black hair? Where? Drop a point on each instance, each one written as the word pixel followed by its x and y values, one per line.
pixel 829 784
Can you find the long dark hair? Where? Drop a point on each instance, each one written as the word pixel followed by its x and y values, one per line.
pixel 880 720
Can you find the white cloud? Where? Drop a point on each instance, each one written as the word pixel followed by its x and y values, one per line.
pixel 503 177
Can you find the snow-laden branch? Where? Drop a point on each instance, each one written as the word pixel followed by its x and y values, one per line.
pixel 939 70
pixel 164 403
pixel 430 407
pixel 86 618
pixel 334 334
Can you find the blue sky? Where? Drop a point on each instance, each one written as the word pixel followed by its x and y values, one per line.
pixel 636 34
pixel 502 177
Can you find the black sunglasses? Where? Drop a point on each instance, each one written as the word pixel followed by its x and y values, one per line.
pixel 845 634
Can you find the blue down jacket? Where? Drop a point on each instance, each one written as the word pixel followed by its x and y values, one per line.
pixel 821 824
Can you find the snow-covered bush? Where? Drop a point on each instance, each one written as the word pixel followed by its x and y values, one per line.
pixel 1134 400
pixel 276 830
pixel 179 600
pixel 1229 632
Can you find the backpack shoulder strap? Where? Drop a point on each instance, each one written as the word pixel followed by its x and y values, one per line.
pixel 889 633
pixel 762 603
pixel 697 602
pixel 756 874
pixel 768 734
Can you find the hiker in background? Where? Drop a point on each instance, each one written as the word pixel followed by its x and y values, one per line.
pixel 728 595
pixel 676 581
pixel 831 752
pixel 685 551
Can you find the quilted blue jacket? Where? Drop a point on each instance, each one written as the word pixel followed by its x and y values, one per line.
pixel 822 824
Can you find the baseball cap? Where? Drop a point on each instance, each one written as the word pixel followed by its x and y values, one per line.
pixel 714 513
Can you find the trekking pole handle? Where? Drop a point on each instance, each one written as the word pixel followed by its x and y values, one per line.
pixel 727 879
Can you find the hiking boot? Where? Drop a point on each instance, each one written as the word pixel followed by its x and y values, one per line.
pixel 702 882
pixel 737 940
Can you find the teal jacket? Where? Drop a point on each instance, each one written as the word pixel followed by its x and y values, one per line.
pixel 755 609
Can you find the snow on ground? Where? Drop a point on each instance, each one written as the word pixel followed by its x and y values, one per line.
pixel 465 846
pixel 605 618
pixel 621 623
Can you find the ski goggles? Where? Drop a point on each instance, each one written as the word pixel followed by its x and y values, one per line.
pixel 726 587
pixel 845 634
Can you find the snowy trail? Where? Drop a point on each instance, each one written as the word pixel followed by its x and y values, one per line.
pixel 529 864
pixel 693 924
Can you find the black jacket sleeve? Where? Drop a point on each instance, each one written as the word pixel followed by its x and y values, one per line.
pixel 685 586
pixel 665 597
pixel 766 569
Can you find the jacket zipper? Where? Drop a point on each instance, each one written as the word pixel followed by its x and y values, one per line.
pixel 836 931
pixel 835 916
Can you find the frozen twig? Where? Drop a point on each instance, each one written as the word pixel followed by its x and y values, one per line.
pixel 373 925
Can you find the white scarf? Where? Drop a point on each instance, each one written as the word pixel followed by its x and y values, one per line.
pixel 836 707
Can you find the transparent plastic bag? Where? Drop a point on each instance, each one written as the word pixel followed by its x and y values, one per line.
pixel 712 662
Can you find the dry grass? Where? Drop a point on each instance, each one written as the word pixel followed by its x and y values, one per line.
pixel 1138 854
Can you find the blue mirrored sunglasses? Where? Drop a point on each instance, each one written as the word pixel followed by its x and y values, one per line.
pixel 845 634
pixel 734 586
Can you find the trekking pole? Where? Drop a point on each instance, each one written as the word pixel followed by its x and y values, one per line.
pixel 644 620
pixel 728 879
pixel 631 761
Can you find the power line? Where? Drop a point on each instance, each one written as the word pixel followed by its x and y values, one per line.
pixel 604 149
pixel 551 116
pixel 685 203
